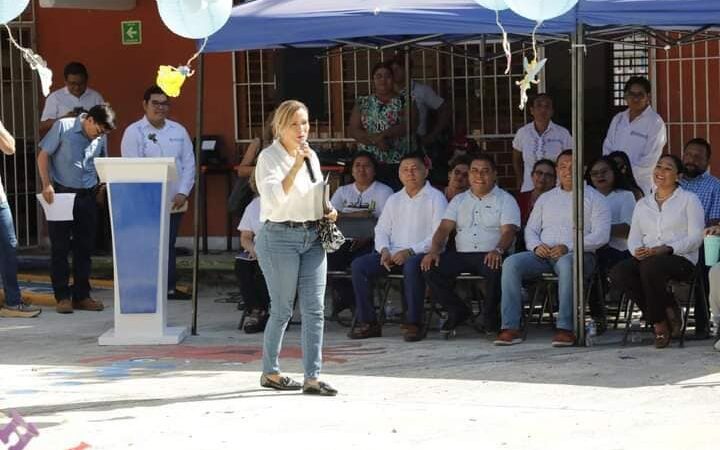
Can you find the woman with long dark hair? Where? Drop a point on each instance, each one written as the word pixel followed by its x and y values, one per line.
pixel 665 235
pixel 622 161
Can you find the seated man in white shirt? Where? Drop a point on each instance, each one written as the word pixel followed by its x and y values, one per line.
pixel 155 136
pixel 486 219
pixel 549 239
pixel 71 100
pixel 540 139
pixel 364 198
pixel 403 233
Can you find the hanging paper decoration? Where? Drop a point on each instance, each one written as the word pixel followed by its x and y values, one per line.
pixel 36 63
pixel 497 6
pixel 541 10
pixel 194 19
pixel 537 10
pixel 10 9
pixel 170 79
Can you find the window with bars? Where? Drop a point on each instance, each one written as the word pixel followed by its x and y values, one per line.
pixel 630 58
pixel 469 76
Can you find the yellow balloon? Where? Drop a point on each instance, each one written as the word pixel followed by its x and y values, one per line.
pixel 170 80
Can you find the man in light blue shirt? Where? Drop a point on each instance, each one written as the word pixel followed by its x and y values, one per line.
pixel 486 219
pixel 66 163
pixel 156 136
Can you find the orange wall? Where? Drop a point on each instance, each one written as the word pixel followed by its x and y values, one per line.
pixel 122 73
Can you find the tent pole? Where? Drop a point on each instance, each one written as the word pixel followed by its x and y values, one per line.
pixel 408 97
pixel 578 55
pixel 196 206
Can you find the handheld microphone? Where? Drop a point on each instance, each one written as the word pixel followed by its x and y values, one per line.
pixel 307 163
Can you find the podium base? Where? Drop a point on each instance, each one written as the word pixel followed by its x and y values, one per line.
pixel 170 335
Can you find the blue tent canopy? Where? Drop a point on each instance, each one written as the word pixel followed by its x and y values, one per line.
pixel 276 23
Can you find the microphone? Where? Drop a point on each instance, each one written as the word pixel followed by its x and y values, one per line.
pixel 307 163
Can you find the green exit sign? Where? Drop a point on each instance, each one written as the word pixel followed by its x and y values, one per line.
pixel 131 32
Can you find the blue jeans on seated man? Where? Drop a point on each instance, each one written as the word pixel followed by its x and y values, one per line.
pixel 526 266
pixel 294 263
pixel 441 280
pixel 366 268
pixel 8 256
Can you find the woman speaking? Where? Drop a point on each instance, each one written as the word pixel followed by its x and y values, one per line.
pixel 288 248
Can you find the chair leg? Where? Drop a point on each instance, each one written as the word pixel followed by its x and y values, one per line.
pixel 628 317
pixel 686 312
pixel 242 319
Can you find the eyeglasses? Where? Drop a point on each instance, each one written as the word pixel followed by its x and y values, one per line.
pixel 160 105
pixel 540 173
pixel 635 94
pixel 598 173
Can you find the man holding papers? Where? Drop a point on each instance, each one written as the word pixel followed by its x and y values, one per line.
pixel 155 136
pixel 66 162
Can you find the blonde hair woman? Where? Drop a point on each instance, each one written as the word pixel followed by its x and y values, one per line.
pixel 288 248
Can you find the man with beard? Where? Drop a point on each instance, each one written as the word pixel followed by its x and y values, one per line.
pixel 696 157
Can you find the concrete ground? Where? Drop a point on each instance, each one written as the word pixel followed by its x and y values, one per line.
pixel 204 393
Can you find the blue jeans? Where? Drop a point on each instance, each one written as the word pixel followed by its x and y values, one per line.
pixel 8 256
pixel 366 268
pixel 526 266
pixel 175 220
pixel 294 263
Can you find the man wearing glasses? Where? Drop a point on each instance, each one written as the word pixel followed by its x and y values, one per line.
pixel 66 163
pixel 638 131
pixel 155 136
pixel 71 100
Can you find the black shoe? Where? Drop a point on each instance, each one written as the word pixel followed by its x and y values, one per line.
pixel 321 388
pixel 255 322
pixel 178 295
pixel 284 384
pixel 455 318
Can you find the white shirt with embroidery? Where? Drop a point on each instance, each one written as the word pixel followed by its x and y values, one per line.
pixel 642 139
pixel 535 147
pixel 348 198
pixel 142 140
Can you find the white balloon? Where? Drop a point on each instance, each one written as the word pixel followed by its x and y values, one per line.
pixel 540 10
pixel 495 5
pixel 10 9
pixel 194 19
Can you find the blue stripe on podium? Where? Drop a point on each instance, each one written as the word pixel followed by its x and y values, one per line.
pixel 136 209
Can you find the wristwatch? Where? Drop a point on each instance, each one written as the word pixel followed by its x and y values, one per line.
pixel 500 250
pixel 411 252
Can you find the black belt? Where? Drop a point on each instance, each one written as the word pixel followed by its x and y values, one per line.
pixel 306 224
pixel 60 189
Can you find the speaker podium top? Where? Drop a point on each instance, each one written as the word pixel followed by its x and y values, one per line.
pixel 136 169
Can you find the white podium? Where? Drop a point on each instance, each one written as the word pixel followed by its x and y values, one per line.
pixel 140 219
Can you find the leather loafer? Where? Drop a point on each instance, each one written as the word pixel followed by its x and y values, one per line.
pixel 64 306
pixel 283 384
pixel 321 388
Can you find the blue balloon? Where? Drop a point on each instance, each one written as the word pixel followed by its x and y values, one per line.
pixel 495 5
pixel 194 19
pixel 540 10
pixel 10 9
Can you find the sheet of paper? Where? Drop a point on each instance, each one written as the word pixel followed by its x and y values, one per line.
pixel 61 208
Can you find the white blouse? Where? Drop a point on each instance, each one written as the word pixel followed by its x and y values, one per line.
pixel 679 224
pixel 304 200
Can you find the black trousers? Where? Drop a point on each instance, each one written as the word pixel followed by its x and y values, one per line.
pixel 252 285
pixel 76 236
pixel 441 280
pixel 646 282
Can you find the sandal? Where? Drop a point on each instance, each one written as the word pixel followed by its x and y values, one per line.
pixel 283 384
pixel 321 388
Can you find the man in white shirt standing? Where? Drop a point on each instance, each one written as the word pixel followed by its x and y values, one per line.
pixel 540 139
pixel 402 235
pixel 638 131
pixel 486 219
pixel 71 100
pixel 156 136
pixel 425 100
pixel 549 239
